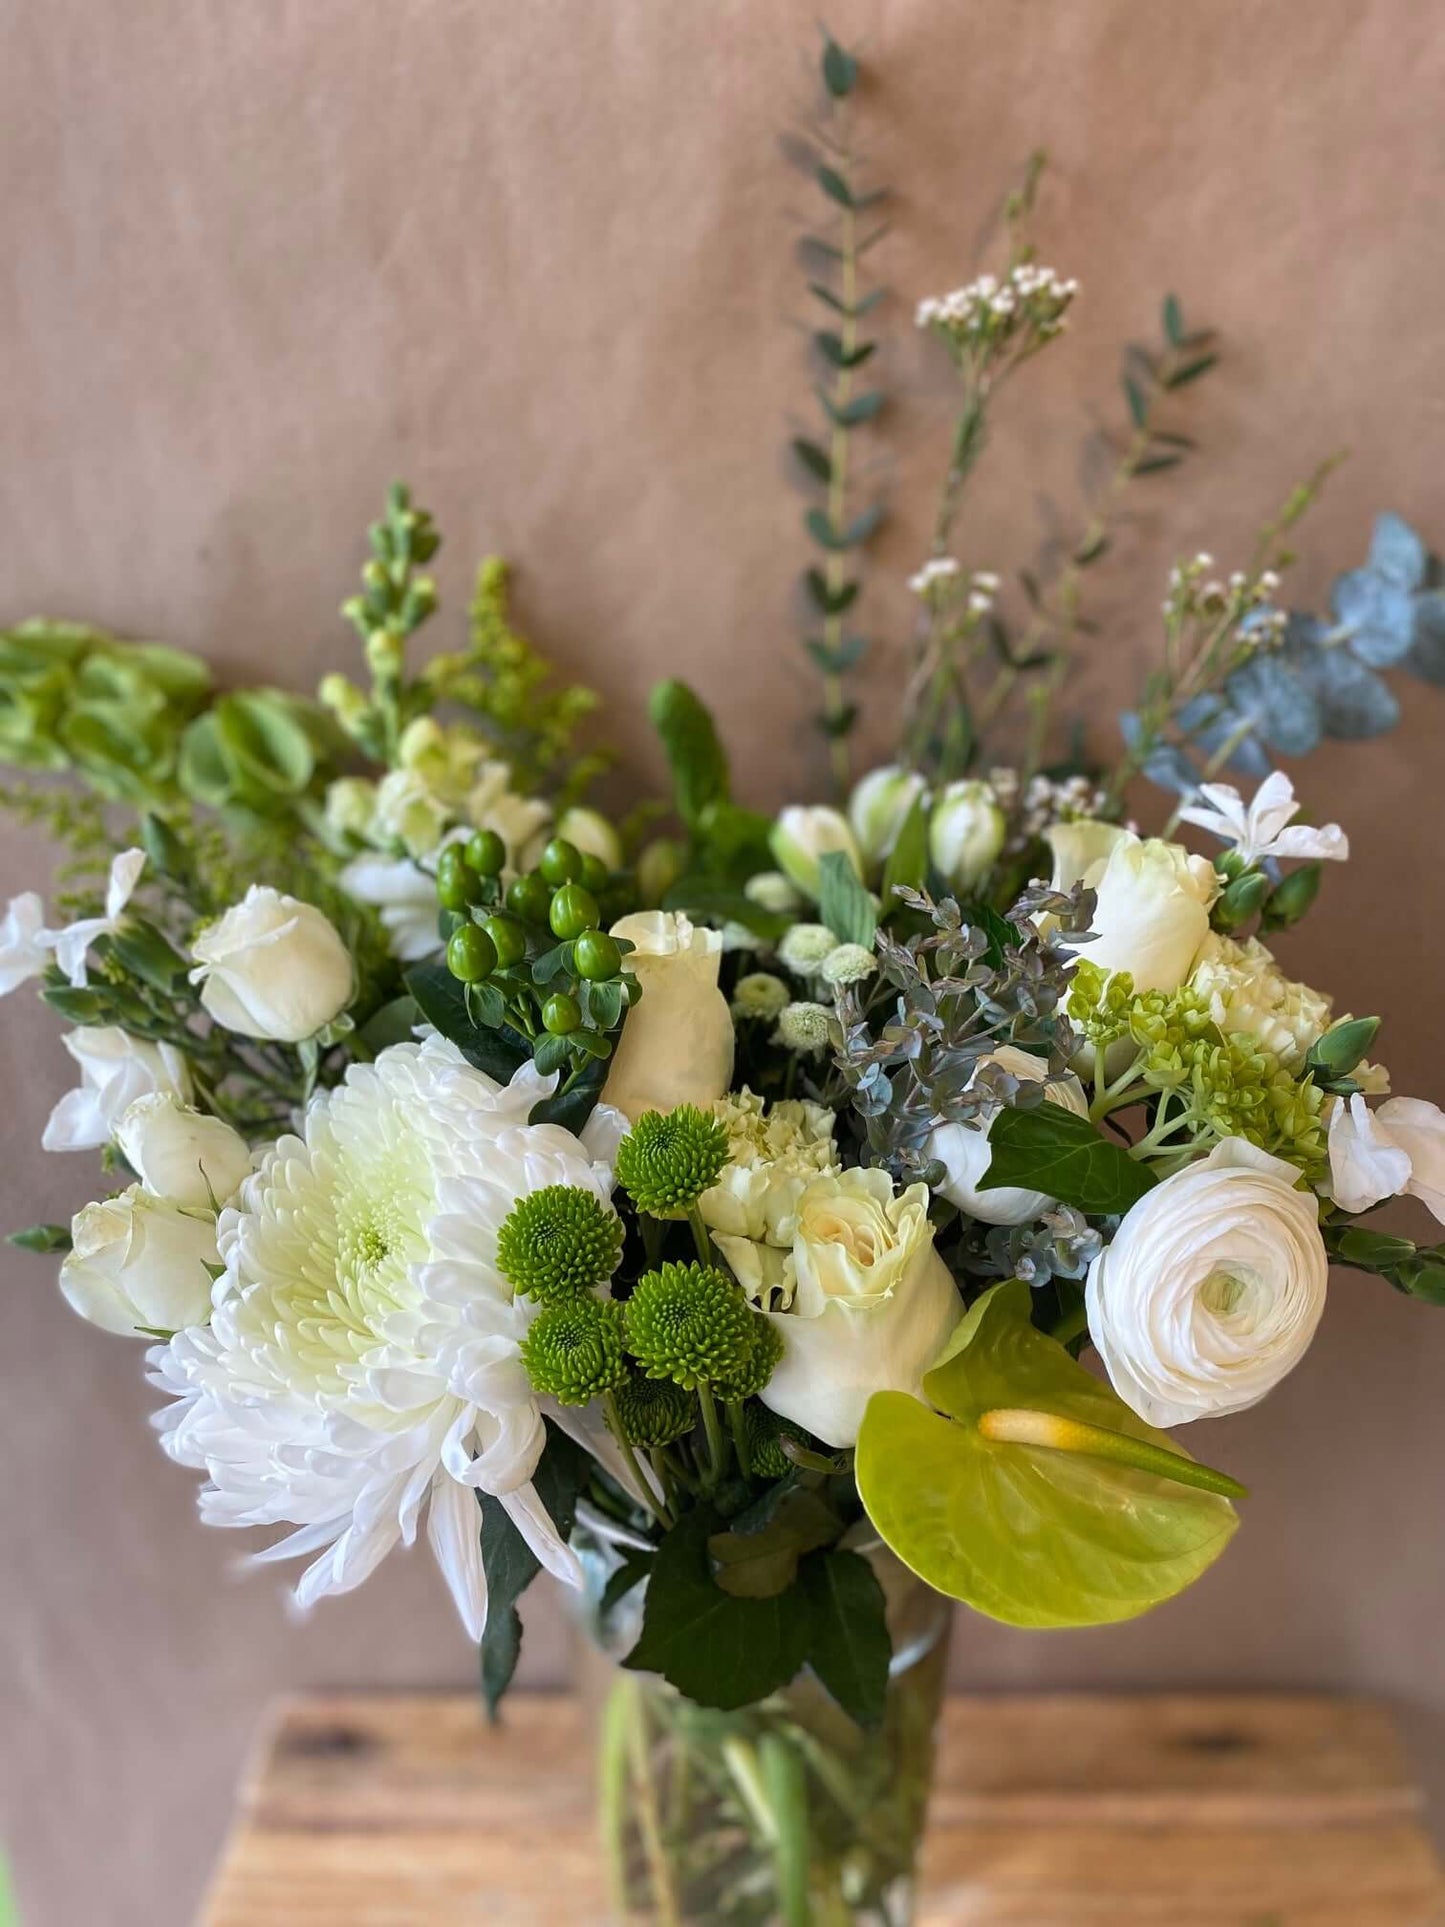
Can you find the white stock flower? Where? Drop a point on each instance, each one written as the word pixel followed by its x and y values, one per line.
pixel 137 1264
pixel 403 896
pixel 879 805
pixel 1259 828
pixel 964 1151
pixel 362 1357
pixel 182 1154
pixel 1247 991
pixel 25 943
pixel 273 967
pixel 677 1041
pixel 1396 1151
pixel 965 832
pixel 115 1071
pixel 1212 1288
pixel 1152 913
pixel 71 944
pixel 803 835
pixel 873 1304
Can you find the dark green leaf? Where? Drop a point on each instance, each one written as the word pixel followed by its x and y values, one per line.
pixel 442 1002
pixel 837 660
pixel 1091 549
pixel 863 526
pixel 511 1565
pixel 551 963
pixel 1055 1151
pixel 831 601
pixel 41 1238
pixel 572 1108
pixel 1151 464
pixel 833 349
pixel 840 70
pixel 394 1023
pixel 756 1563
pixel 849 1647
pixel 83 1004
pixel 698 761
pixel 148 954
pixel 1138 405
pixel 862 408
pixel 1173 321
pixel 835 723
pixel 843 903
pixel 834 186
pixel 1191 371
pixel 550 1053
pixel 858 310
pixel 1293 897
pixel 813 458
pixel 486 1006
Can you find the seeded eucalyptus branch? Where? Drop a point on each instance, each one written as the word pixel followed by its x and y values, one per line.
pixel 834 523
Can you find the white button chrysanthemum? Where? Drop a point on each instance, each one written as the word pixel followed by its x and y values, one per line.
pixel 362 1356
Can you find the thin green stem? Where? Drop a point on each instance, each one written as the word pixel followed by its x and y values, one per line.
pixel 701 1240
pixel 737 1425
pixel 658 1507
pixel 716 1446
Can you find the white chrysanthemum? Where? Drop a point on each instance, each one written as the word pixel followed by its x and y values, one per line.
pixel 362 1357
pixel 1247 991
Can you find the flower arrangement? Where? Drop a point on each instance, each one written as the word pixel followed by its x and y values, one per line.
pixel 716 1216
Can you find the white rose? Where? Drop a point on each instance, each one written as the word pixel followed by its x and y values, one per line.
pixel 1153 899
pixel 965 832
pixel 963 1149
pixel 115 1070
pixel 1212 1288
pixel 1399 1149
pixel 404 897
pixel 879 806
pixel 138 1264
pixel 273 967
pixel 182 1154
pixel 591 833
pixel 802 837
pixel 676 1045
pixel 874 1303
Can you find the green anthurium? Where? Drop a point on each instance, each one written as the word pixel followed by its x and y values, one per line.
pixel 1027 1489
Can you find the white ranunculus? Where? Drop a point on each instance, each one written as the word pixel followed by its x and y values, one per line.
pixel 403 896
pixel 676 1045
pixel 1397 1150
pixel 879 806
pixel 1153 899
pixel 115 1071
pixel 591 833
pixel 963 1149
pixel 183 1154
pixel 802 836
pixel 965 832
pixel 137 1264
pixel 273 967
pixel 1212 1288
pixel 873 1303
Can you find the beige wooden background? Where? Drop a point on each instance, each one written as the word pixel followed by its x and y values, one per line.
pixel 258 259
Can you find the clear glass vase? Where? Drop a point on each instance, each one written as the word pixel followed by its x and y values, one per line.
pixel 782 1814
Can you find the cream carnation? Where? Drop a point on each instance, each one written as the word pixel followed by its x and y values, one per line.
pixel 1247 991
pixel 773 1155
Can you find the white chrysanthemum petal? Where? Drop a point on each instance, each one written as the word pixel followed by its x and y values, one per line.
pixel 453 1534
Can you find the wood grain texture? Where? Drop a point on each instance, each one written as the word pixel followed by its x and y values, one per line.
pixel 1175 1810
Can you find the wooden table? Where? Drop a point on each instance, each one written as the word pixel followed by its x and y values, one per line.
pixel 1228 1810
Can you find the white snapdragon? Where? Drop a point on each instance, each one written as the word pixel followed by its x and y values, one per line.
pixel 1396 1151
pixel 273 967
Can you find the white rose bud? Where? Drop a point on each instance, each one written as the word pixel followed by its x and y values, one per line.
pixel 965 833
pixel 874 1304
pixel 879 806
pixel 273 967
pixel 115 1070
pixel 138 1264
pixel 676 1045
pixel 591 833
pixel 803 836
pixel 1212 1288
pixel 1153 900
pixel 963 1149
pixel 182 1154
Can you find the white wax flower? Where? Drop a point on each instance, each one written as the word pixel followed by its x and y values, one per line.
pixel 1261 828
pixel 137 1264
pixel 1153 904
pixel 676 1045
pixel 405 898
pixel 1247 991
pixel 803 835
pixel 965 832
pixel 115 1071
pixel 590 832
pixel 25 943
pixel 182 1154
pixel 1212 1288
pixel 273 967
pixel 1397 1150
pixel 873 1304
pixel 964 1152
pixel 879 805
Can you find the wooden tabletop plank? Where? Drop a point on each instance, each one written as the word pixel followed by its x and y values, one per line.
pixel 1230 1810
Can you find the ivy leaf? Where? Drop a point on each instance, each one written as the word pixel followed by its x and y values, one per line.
pixel 843 903
pixel 41 1238
pixel 813 458
pixel 510 1563
pixel 1053 1150
pixel 695 753
pixel 840 70
pixel 849 1646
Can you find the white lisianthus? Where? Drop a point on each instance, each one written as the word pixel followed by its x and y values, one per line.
pixel 963 1149
pixel 362 1358
pixel 24 941
pixel 873 1303
pixel 115 1071
pixel 1397 1150
pixel 1247 991
pixel 879 806
pixel 1153 899
pixel 1212 1288
pixel 802 836
pixel 677 1041
pixel 273 967
pixel 774 1153
pixel 590 832
pixel 403 896
pixel 182 1154
pixel 965 832
pixel 137 1264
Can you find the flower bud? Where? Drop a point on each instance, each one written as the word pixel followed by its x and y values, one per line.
pixel 182 1154
pixel 965 833
pixel 879 806
pixel 593 835
pixel 803 836
pixel 137 1265
pixel 273 967
pixel 771 890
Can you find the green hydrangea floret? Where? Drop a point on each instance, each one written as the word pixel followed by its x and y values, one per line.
pixel 573 1352
pixel 559 1242
pixel 767 1349
pixel 654 1411
pixel 690 1323
pixel 669 1158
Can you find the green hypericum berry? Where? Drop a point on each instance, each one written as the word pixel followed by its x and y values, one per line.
pixel 573 1353
pixel 471 954
pixel 457 886
pixel 573 911
pixel 561 1014
pixel 529 898
pixel 561 862
pixel 767 1350
pixel 485 853
pixel 689 1323
pixel 509 939
pixel 597 956
pixel 654 1411
pixel 558 1243
pixel 766 1432
pixel 669 1158
pixel 595 873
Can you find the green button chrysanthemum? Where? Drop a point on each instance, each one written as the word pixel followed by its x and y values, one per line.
pixel 689 1323
pixel 766 1432
pixel 668 1159
pixel 767 1349
pixel 558 1243
pixel 573 1352
pixel 654 1411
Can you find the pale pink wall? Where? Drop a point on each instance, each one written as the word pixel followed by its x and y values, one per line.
pixel 538 259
